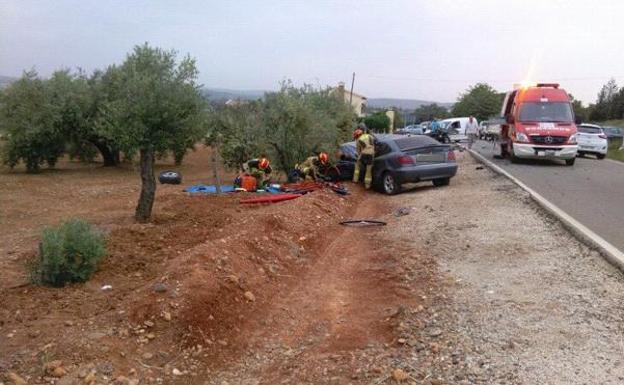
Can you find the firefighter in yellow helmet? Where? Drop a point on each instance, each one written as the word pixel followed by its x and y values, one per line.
pixel 314 167
pixel 365 145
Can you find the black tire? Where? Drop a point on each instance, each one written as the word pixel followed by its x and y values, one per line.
pixel 389 184
pixel 570 162
pixel 581 154
pixel 333 174
pixel 441 182
pixel 170 177
pixel 600 156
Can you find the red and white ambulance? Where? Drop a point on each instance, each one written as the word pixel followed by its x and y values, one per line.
pixel 539 124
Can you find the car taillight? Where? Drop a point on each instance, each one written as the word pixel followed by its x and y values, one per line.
pixel 602 136
pixel 451 156
pixel 405 160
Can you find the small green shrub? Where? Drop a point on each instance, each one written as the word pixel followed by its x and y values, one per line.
pixel 68 253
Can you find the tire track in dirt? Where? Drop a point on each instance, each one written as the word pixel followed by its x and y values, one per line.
pixel 338 306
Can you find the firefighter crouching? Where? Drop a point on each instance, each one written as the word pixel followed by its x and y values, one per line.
pixel 260 169
pixel 365 145
pixel 314 167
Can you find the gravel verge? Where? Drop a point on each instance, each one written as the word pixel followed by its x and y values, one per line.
pixel 527 303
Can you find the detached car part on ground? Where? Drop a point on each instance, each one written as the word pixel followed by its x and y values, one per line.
pixel 170 177
pixel 403 159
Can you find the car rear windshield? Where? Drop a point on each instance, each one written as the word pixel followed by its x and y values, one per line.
pixel 546 112
pixel 419 141
pixel 590 130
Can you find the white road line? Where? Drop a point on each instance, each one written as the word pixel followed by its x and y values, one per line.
pixel 585 235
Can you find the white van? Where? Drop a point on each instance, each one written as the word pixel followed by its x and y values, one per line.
pixel 456 128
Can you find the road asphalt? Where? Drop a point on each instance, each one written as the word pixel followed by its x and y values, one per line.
pixel 591 191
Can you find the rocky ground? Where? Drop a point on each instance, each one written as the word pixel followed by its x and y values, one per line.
pixel 527 303
pixel 467 284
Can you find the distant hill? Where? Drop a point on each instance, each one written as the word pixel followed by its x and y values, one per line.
pixel 404 104
pixel 223 94
pixel 6 80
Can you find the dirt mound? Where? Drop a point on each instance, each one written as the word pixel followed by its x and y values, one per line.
pixel 231 277
pixel 194 279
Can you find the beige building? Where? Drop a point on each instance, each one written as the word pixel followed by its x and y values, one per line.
pixel 357 101
pixel 391 114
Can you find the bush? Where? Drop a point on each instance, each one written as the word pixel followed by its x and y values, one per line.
pixel 288 126
pixel 68 253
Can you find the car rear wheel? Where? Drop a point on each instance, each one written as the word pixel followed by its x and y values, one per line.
pixel 570 162
pixel 600 156
pixel 389 184
pixel 441 182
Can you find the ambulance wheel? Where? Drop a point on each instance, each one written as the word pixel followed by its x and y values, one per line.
pixel 570 162
pixel 513 158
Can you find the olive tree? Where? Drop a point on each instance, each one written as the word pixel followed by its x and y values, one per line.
pixel 156 106
pixel 288 125
pixel 377 122
pixel 237 131
pixel 47 117
pixel 298 122
pixel 481 101
pixel 32 123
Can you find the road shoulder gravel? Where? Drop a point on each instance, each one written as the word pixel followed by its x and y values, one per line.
pixel 584 234
pixel 527 302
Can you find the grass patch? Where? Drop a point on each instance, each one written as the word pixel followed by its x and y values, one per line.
pixel 68 253
pixel 612 123
pixel 614 151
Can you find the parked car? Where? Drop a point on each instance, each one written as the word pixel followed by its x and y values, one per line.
pixel 490 129
pixel 613 132
pixel 402 159
pixel 591 140
pixel 412 129
pixel 455 128
pixel 539 124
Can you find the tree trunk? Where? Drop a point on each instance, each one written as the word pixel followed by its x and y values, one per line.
pixel 116 156
pixel 148 186
pixel 110 157
pixel 215 166
pixel 281 157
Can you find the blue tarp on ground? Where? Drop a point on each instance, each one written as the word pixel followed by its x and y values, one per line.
pixel 212 189
pixel 207 189
pixel 272 190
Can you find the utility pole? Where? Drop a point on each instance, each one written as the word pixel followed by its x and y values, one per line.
pixel 351 94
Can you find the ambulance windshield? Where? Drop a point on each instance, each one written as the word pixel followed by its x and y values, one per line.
pixel 546 112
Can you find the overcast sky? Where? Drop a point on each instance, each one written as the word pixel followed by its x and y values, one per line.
pixel 406 49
